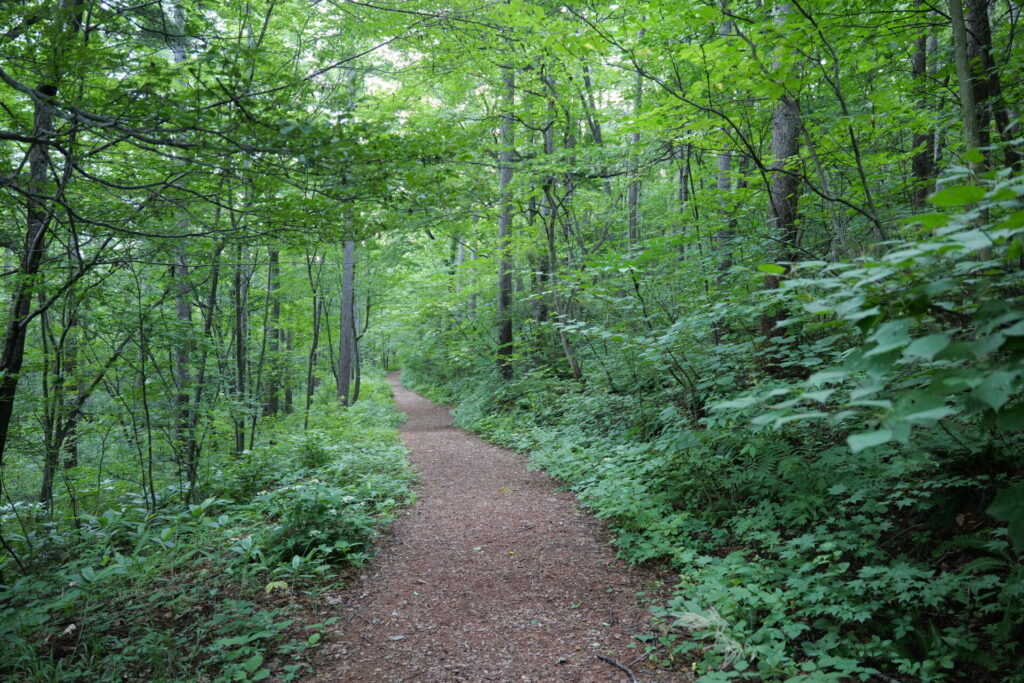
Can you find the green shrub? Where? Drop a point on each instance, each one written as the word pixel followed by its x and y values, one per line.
pixel 209 591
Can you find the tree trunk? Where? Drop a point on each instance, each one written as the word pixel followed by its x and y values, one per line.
pixel 783 190
pixel 682 153
pixel 986 83
pixel 549 216
pixel 921 164
pixel 504 312
pixel 345 348
pixel 311 365
pixel 633 192
pixel 272 405
pixel 38 220
pixel 182 369
pixel 240 296
pixel 968 105
pixel 289 396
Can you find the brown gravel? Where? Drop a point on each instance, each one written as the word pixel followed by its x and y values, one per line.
pixel 493 575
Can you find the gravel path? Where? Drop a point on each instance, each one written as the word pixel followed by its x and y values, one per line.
pixel 492 576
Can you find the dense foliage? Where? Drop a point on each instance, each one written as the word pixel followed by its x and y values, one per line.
pixel 744 273
pixel 220 584
pixel 842 519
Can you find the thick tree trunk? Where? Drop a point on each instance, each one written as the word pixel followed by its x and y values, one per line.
pixel 968 104
pixel 782 192
pixel 986 83
pixel 785 183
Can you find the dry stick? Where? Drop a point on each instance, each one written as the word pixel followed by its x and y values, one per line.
pixel 620 665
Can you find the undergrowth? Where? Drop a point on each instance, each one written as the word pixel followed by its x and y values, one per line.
pixel 843 497
pixel 209 591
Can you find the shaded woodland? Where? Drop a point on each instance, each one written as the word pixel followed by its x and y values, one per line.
pixel 746 276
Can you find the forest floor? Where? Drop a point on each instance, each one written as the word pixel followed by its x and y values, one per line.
pixel 494 575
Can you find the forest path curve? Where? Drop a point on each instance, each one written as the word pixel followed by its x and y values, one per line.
pixel 493 575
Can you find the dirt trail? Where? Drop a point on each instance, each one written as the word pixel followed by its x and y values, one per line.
pixel 492 576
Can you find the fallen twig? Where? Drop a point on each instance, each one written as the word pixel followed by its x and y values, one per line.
pixel 620 665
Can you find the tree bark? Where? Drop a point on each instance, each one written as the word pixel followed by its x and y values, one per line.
pixel 633 193
pixel 986 83
pixel 968 105
pixel 38 220
pixel 240 296
pixel 272 405
pixel 921 164
pixel 783 190
pixel 346 343
pixel 504 312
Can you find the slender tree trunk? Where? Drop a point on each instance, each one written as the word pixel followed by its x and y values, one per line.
pixel 683 153
pixel 633 192
pixel 921 164
pixel 314 286
pixel 725 236
pixel 52 391
pixel 549 216
pixel 192 447
pixel 241 334
pixel 289 396
pixel 38 220
pixel 357 374
pixel 311 365
pixel 839 244
pixel 345 348
pixel 182 369
pixel 272 405
pixel 504 312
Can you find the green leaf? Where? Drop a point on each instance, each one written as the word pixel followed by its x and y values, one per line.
pixel 996 390
pixel 1015 330
pixel 927 220
pixel 771 268
pixel 1011 419
pixel 958 195
pixel 706 13
pixel 1015 250
pixel 927 347
pixel 974 156
pixel 253 662
pixel 863 440
pixel 1008 506
pixel 928 414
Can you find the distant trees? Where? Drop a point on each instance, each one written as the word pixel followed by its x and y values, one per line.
pixel 163 174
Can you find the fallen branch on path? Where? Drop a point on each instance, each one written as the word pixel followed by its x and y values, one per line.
pixel 620 665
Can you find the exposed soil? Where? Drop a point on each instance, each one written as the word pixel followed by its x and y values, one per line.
pixel 493 575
